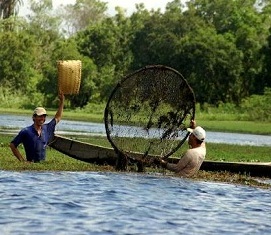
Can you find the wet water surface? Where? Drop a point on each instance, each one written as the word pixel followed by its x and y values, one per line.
pixel 114 203
pixel 89 128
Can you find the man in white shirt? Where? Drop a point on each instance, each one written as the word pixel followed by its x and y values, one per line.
pixel 191 161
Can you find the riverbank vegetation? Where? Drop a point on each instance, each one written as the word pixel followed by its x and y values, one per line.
pixel 222 56
pixel 57 161
pixel 212 119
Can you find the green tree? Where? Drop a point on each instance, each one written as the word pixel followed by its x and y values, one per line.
pixel 16 58
pixel 43 26
pixel 108 45
pixel 247 23
pixel 264 79
pixel 67 50
pixel 212 64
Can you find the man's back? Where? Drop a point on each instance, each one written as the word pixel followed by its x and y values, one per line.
pixel 190 163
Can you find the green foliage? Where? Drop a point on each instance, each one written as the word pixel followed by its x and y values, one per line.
pixel 16 52
pixel 108 44
pixel 17 99
pixel 258 107
pixel 55 161
pixel 264 78
pixel 10 99
pixel 221 47
pixel 254 108
pixel 236 153
pixel 94 108
pixel 216 60
pixel 245 22
pixel 67 50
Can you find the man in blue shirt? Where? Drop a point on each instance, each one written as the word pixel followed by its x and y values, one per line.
pixel 35 138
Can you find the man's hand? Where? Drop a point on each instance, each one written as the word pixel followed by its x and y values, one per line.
pixel 159 162
pixel 163 163
pixel 193 124
pixel 61 96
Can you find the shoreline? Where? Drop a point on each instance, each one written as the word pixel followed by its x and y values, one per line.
pixel 219 125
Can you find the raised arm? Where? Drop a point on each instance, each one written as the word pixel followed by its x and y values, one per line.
pixel 59 112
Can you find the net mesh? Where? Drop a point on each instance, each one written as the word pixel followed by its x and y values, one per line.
pixel 149 111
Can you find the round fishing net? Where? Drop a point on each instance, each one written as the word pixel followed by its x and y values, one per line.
pixel 148 112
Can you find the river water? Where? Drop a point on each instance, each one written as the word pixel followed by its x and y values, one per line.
pixel 16 122
pixel 55 203
pixel 60 203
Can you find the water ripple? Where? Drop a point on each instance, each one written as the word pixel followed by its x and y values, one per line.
pixel 122 203
pixel 13 123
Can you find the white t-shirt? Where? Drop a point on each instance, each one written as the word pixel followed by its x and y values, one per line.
pixel 190 163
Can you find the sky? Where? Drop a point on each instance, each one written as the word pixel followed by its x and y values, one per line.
pixel 128 5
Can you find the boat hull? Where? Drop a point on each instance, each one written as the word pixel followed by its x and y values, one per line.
pixel 260 169
pixel 107 156
pixel 84 151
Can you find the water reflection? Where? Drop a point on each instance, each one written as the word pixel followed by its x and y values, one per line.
pixel 88 128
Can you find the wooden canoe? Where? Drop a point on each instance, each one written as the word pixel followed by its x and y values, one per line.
pixel 91 153
pixel 102 155
pixel 259 169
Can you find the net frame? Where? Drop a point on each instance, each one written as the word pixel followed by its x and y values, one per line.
pixel 122 89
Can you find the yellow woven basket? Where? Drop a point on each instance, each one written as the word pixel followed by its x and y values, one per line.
pixel 69 76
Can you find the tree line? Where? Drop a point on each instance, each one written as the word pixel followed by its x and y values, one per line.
pixel 222 47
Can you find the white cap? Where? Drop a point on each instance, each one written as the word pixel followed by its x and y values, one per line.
pixel 39 111
pixel 199 132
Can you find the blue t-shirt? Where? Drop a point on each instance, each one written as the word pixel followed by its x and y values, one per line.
pixel 35 145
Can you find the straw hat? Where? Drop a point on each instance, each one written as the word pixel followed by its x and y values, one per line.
pixel 69 76
pixel 39 111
